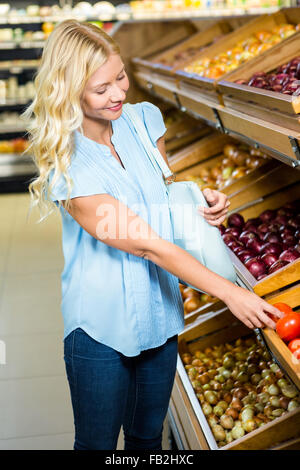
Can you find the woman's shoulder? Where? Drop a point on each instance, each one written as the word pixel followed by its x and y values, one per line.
pixel 145 108
pixel 152 118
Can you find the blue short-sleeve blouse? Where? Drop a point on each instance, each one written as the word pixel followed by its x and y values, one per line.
pixel 124 301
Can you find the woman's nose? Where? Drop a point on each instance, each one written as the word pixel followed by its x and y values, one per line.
pixel 117 94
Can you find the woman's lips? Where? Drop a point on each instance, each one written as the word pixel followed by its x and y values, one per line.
pixel 115 108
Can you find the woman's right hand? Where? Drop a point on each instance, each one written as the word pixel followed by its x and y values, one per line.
pixel 250 308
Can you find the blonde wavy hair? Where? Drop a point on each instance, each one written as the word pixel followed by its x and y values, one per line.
pixel 72 53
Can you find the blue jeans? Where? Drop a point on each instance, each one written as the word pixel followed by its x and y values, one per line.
pixel 110 390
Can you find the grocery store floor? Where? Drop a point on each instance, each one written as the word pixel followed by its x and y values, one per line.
pixel 35 406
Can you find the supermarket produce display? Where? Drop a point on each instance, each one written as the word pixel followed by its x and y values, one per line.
pixel 239 387
pixel 265 243
pixel 246 49
pixel 229 95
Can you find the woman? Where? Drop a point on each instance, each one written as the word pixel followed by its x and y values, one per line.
pixel 121 301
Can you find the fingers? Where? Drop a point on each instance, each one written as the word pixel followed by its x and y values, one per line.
pixel 217 222
pixel 215 199
pixel 248 323
pixel 215 219
pixel 269 308
pixel 212 212
pixel 209 216
pixel 218 207
pixel 266 320
pixel 255 321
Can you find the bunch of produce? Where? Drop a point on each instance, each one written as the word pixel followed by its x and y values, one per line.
pixel 17 145
pixel 192 299
pixel 244 50
pixel 185 54
pixel 288 328
pixel 238 160
pixel 266 243
pixel 285 79
pixel 239 387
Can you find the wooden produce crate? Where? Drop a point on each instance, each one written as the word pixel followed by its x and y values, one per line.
pixel 280 142
pixel 210 145
pixel 198 40
pixel 188 132
pixel 268 105
pixel 150 71
pixel 190 419
pixel 290 296
pixel 144 69
pixel 236 186
pixel 289 274
pixel 207 87
pixel 266 180
pixel 158 47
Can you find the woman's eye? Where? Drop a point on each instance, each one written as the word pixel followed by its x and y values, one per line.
pixel 121 78
pixel 101 92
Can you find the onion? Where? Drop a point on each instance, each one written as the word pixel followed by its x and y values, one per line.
pixel 267 215
pixel 289 255
pixel 218 432
pixel 223 404
pixel 259 407
pixel 255 378
pixel 249 425
pixel 275 248
pixel 289 391
pixel 246 255
pixel 227 422
pixel 288 241
pixel 236 220
pixel 284 402
pixel 212 420
pixel 293 404
pixel 272 237
pixel 274 401
pixel 240 393
pixel 246 235
pixel 236 404
pixel 263 229
pixel 233 413
pixel 294 222
pixel 235 231
pixel 277 412
pixel 211 397
pixel 263 398
pixel 268 409
pixel 254 221
pixel 269 258
pixel 247 413
pixel 204 378
pixel 256 245
pixel 237 431
pixel 229 437
pixel 227 237
pixel 277 265
pixel 207 409
pixel 251 228
pixel 281 219
pixel 273 390
pixel 256 267
pixel 282 383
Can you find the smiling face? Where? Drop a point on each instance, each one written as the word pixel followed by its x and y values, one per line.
pixel 105 91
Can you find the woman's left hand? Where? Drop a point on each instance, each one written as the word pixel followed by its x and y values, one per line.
pixel 218 202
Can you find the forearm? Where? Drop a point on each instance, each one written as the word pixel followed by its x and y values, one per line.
pixel 187 268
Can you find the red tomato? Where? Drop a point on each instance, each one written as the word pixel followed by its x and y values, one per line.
pixel 297 354
pixel 288 327
pixel 283 307
pixel 294 345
